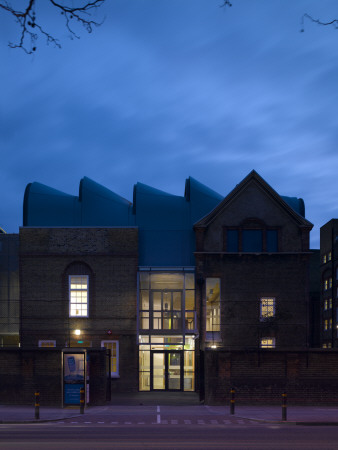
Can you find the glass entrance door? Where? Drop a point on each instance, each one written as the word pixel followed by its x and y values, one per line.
pixel 167 370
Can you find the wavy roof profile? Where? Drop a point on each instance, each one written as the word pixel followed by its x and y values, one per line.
pixel 165 221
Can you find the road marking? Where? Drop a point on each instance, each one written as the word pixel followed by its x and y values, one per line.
pixel 187 422
pixel 140 423
pixel 158 415
pixel 100 422
pixel 201 422
pixel 114 423
pixel 87 422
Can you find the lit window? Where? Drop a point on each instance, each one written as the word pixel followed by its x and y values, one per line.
pixel 330 324
pixel 324 345
pixel 325 305
pixel 326 284
pixel 324 259
pixel 78 295
pixel 329 345
pixel 268 342
pixel 330 283
pixel 330 303
pixel 267 308
pixel 113 346
pixel 326 325
pixel 329 256
pixel 213 304
pixel 47 343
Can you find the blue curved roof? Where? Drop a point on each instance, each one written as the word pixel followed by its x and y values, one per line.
pixel 165 221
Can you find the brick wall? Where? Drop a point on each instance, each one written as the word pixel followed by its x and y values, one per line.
pixel 22 372
pixel 260 377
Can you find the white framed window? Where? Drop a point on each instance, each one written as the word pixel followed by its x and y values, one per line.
pixel 113 346
pixel 78 295
pixel 267 308
pixel 47 343
pixel 268 342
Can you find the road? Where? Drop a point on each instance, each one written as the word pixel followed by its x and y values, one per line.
pixel 164 428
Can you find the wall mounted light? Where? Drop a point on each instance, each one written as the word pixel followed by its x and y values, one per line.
pixel 77 332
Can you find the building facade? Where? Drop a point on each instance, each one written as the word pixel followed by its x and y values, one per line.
pixel 329 283
pixel 165 280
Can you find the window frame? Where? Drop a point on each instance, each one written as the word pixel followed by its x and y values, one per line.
pixel 267 338
pixel 250 225
pixel 116 373
pixel 263 317
pixel 70 290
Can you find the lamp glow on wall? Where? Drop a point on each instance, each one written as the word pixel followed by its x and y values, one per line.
pixel 77 332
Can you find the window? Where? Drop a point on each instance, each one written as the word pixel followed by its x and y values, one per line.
pixel 326 325
pixel 330 303
pixel 213 305
pixel 324 259
pixel 330 324
pixel 267 308
pixel 251 240
pixel 330 283
pixel 113 346
pixel 78 295
pixel 47 343
pixel 329 256
pixel 268 342
pixel 325 305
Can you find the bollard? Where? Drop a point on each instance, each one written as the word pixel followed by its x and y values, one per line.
pixel 37 405
pixel 82 400
pixel 284 407
pixel 232 401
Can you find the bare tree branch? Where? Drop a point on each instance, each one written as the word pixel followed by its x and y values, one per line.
pixel 30 28
pixel 333 22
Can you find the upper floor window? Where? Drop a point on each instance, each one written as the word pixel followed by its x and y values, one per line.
pixel 327 283
pixel 329 256
pixel 267 308
pixel 78 295
pixel 167 301
pixel 246 239
pixel 324 259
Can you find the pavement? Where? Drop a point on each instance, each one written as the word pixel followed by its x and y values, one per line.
pixel 296 415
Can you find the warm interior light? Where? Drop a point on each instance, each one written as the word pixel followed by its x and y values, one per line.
pixel 77 332
pixel 214 346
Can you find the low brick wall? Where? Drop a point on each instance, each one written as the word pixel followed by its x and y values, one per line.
pixel 24 371
pixel 260 377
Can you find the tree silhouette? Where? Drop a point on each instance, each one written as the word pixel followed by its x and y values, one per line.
pixel 31 27
pixel 306 16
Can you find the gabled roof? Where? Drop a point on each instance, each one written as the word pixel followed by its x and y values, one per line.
pixel 254 177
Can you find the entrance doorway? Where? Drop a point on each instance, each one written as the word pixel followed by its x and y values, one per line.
pixel 166 370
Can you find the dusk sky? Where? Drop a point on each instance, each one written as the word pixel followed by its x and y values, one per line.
pixel 167 89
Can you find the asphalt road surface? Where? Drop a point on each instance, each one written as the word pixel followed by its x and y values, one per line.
pixel 98 435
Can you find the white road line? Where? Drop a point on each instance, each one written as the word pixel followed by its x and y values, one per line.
pixel 158 415
pixel 87 422
pixel 187 422
pixel 100 422
pixel 127 423
pixel 140 423
pixel 114 423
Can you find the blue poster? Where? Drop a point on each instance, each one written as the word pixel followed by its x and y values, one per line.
pixel 72 393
